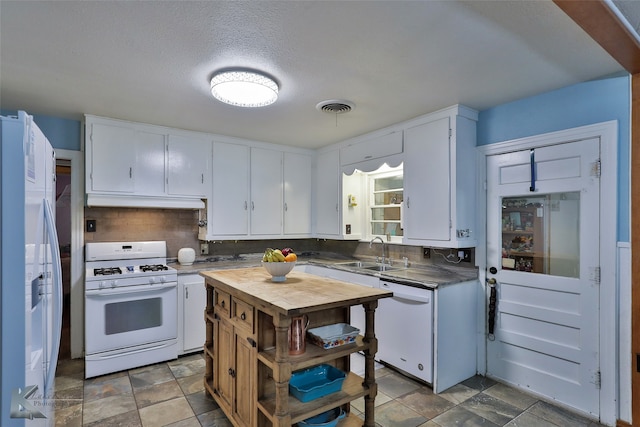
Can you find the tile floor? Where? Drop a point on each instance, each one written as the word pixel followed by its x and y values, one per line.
pixel 172 394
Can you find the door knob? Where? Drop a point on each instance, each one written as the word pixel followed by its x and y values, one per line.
pixel 492 281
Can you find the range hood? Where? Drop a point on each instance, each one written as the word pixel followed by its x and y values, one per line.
pixel 129 201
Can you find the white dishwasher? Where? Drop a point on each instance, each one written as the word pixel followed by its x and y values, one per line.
pixel 404 328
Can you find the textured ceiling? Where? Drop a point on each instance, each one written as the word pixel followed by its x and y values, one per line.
pixel 151 61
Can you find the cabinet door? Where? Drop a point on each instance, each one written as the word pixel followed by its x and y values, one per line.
pixel 188 169
pixel 245 381
pixel 223 363
pixel 427 213
pixel 297 193
pixel 327 193
pixel 149 167
pixel 112 158
pixel 266 192
pixel 229 206
pixel 193 327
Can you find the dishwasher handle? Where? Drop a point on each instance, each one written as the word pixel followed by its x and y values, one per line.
pixel 409 297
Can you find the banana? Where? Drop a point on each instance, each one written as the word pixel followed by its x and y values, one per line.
pixel 277 255
pixel 268 255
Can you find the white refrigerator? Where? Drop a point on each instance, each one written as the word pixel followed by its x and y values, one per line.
pixel 31 292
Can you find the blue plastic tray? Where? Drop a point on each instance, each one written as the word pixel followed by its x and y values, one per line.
pixel 325 419
pixel 312 383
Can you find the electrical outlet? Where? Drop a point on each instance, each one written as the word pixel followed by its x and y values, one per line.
pixel 464 255
pixel 91 226
pixel 348 229
pixel 426 252
pixel 204 249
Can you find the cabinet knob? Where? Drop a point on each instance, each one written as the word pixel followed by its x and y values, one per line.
pixel 243 316
pixel 222 303
pixel 232 372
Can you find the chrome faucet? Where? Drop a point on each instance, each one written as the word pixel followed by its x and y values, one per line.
pixel 383 245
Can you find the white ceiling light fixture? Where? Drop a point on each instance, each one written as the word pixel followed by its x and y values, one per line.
pixel 244 88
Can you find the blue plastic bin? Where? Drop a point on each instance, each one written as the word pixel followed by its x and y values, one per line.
pixel 325 419
pixel 312 383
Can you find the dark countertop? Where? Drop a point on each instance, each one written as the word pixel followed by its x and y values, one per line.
pixel 429 276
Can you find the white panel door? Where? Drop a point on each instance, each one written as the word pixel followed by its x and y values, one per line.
pixel 112 158
pixel 266 192
pixel 297 193
pixel 542 251
pixel 195 301
pixel 188 163
pixel 149 170
pixel 229 204
pixel 427 182
pixel 327 190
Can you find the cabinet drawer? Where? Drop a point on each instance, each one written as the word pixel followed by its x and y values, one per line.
pixel 242 314
pixel 222 303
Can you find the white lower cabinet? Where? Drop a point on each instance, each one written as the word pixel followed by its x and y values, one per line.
pixel 191 307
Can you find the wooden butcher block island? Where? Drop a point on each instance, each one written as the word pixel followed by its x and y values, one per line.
pixel 248 366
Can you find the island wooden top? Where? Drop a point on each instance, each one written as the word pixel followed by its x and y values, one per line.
pixel 300 293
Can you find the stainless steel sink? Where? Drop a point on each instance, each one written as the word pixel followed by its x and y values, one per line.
pixel 380 267
pixel 371 266
pixel 356 264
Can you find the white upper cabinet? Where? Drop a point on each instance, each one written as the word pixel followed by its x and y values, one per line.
pixel 188 162
pixel 111 157
pixel 440 179
pixel 297 194
pixel 127 163
pixel 229 205
pixel 369 150
pixel 258 193
pixel 150 161
pixel 327 207
pixel 266 192
pixel 427 184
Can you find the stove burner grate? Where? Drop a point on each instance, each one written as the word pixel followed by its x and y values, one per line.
pixel 106 271
pixel 153 267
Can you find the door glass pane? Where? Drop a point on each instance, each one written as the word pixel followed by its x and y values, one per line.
pixel 541 234
pixel 127 316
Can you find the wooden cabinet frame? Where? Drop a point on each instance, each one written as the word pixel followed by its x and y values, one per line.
pixel 270 403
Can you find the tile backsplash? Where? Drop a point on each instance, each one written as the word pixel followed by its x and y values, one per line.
pixel 179 227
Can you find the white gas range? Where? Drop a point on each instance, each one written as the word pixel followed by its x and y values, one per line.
pixel 130 306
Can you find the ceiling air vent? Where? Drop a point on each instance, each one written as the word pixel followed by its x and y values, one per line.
pixel 335 106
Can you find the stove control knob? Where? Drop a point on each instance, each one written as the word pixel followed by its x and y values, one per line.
pixel 114 283
pixel 101 285
pixel 152 280
pixel 163 279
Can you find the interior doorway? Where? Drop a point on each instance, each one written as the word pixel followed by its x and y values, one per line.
pixel 63 227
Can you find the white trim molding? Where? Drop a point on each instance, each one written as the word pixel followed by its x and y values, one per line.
pixel 77 249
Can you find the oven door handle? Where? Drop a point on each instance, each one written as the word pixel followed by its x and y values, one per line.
pixel 109 292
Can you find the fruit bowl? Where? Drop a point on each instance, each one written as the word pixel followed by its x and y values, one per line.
pixel 278 270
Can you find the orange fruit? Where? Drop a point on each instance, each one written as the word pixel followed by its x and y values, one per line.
pixel 291 257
